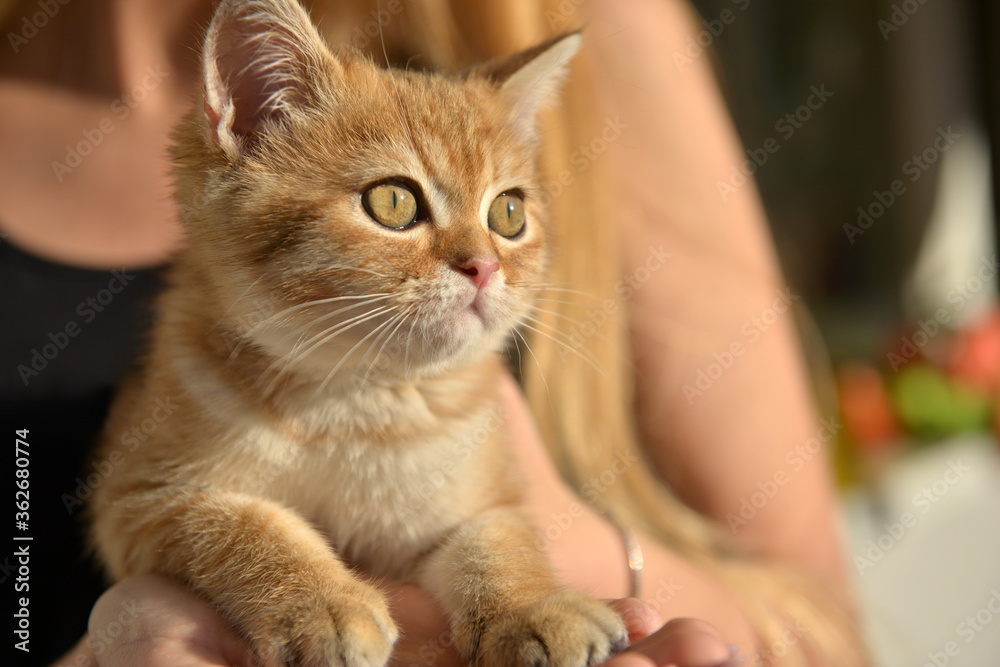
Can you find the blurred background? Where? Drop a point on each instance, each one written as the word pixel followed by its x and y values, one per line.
pixel 882 198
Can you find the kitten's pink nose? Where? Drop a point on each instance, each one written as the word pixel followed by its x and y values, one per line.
pixel 479 270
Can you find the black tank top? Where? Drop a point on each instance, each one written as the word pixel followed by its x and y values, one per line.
pixel 67 337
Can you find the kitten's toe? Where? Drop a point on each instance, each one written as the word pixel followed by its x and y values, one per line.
pixel 567 630
pixel 349 628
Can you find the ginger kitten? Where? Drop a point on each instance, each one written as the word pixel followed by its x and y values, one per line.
pixel 361 242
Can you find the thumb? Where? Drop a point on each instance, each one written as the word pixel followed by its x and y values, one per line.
pixel 641 618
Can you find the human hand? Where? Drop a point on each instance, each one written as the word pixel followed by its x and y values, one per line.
pixel 683 642
pixel 426 638
pixel 589 554
pixel 155 622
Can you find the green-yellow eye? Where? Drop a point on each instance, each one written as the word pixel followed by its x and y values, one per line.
pixel 394 206
pixel 506 216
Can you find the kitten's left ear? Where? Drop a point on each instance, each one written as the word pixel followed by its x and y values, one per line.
pixel 531 79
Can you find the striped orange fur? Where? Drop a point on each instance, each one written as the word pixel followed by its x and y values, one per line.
pixel 335 379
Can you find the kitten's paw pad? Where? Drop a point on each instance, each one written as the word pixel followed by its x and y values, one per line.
pixel 349 629
pixel 567 630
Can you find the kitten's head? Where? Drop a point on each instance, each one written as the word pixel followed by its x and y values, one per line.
pixel 365 212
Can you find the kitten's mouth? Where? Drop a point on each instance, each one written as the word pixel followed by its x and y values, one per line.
pixel 477 304
pixel 473 317
pixel 474 308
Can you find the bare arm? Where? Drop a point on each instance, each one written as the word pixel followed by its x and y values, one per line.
pixel 713 447
pixel 589 553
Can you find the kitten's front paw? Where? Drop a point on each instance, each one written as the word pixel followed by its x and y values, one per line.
pixel 567 630
pixel 347 628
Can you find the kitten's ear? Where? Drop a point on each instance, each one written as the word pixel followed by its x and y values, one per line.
pixel 530 79
pixel 260 63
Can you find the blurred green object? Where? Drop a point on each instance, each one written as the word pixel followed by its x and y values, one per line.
pixel 930 404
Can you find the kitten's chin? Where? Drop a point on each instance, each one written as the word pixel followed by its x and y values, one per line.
pixel 461 337
pixel 465 332
pixel 469 322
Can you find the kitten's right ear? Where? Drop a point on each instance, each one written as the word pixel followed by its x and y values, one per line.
pixel 261 58
pixel 529 80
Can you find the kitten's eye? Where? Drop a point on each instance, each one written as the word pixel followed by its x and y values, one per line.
pixel 393 206
pixel 506 216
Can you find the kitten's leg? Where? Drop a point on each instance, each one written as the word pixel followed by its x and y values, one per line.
pixel 506 606
pixel 272 575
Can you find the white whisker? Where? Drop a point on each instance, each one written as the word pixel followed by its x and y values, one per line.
pixel 569 347
pixel 552 288
pixel 566 318
pixel 288 360
pixel 409 336
pixel 330 333
pixel 319 302
pixel 541 374
pixel 349 267
pixel 343 359
pixel 237 300
pixel 402 320
pixel 246 335
pixel 398 103
pixel 562 301
pixel 517 346
pixel 360 304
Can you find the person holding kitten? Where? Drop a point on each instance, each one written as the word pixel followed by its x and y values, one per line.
pixel 644 190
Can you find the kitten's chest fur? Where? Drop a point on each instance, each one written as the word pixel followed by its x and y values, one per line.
pixel 382 505
pixel 384 473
